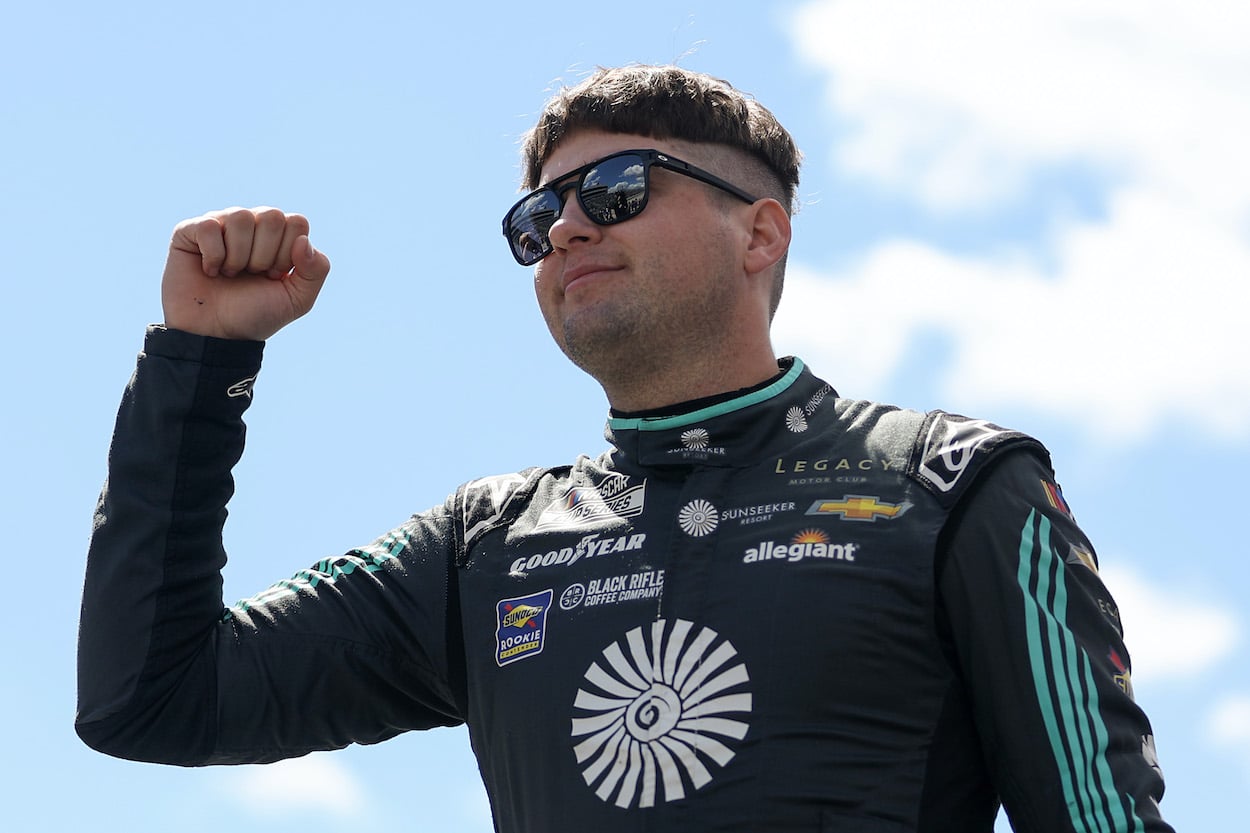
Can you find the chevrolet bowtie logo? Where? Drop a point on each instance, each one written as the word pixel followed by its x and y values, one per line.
pixel 859 508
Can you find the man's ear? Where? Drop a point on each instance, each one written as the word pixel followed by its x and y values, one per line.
pixel 770 236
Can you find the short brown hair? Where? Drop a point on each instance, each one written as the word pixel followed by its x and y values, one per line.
pixel 667 102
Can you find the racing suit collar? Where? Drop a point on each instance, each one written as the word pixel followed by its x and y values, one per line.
pixel 735 432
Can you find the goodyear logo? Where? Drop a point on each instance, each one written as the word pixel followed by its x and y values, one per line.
pixel 859 508
pixel 521 627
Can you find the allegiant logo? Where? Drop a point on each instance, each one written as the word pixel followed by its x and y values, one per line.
pixel 810 543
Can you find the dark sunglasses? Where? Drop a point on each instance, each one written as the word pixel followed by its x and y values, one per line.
pixel 610 190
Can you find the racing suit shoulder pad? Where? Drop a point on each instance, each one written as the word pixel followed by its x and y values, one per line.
pixel 490 502
pixel 950 449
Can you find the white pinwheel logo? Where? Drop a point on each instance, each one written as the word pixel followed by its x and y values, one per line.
pixel 698 518
pixel 659 712
pixel 796 420
pixel 696 439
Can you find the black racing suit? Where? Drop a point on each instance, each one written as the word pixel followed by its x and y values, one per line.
pixel 783 611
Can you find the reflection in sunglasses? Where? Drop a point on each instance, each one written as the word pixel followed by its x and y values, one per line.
pixel 610 190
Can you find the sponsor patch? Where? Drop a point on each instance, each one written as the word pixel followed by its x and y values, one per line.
pixel 521 627
pixel 696 439
pixel 488 497
pixel 696 444
pixel 859 508
pixel 698 518
pixel 659 713
pixel 758 513
pixel 808 543
pixel 1123 676
pixel 828 470
pixel 243 387
pixel 613 499
pixel 1054 496
pixel 572 596
pixel 630 587
pixel 796 417
pixel 950 447
pixel 591 546
pixel 1083 556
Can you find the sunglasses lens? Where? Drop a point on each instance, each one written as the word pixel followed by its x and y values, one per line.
pixel 615 190
pixel 528 224
pixel 612 191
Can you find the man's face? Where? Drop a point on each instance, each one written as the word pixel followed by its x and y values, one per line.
pixel 627 298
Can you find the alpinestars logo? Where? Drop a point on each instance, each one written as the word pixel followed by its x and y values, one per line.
pixel 698 518
pixel 243 387
pixel 486 499
pixel 658 713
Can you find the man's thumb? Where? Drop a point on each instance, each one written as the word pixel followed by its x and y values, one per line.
pixel 310 264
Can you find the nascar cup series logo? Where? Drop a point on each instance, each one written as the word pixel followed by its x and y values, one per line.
pixel 613 499
pixel 659 712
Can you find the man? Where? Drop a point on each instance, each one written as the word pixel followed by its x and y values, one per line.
pixel 763 608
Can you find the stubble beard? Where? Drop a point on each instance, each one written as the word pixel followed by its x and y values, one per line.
pixel 632 343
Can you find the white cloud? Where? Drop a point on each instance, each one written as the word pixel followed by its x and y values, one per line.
pixel 1134 327
pixel 1137 317
pixel 1228 724
pixel 1228 727
pixel 955 101
pixel 316 783
pixel 1170 633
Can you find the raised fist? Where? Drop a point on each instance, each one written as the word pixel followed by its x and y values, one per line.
pixel 241 273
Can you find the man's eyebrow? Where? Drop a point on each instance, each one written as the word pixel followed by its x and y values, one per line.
pixel 575 172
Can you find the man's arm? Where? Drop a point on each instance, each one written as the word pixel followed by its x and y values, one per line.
pixel 1039 646
pixel 352 650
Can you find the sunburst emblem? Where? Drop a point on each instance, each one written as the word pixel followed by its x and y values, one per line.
pixel 698 518
pixel 810 536
pixel 696 439
pixel 796 420
pixel 658 714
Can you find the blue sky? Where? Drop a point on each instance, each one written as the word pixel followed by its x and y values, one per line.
pixel 1038 215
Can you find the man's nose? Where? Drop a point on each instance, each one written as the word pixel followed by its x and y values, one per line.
pixel 573 226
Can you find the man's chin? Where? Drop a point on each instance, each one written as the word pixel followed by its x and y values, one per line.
pixel 604 349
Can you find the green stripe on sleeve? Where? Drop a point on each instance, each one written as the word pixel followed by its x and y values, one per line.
pixel 1074 726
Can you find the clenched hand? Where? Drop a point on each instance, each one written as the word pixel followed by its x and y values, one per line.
pixel 241 273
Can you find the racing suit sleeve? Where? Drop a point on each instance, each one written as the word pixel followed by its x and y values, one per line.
pixel 1038 644
pixel 353 650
